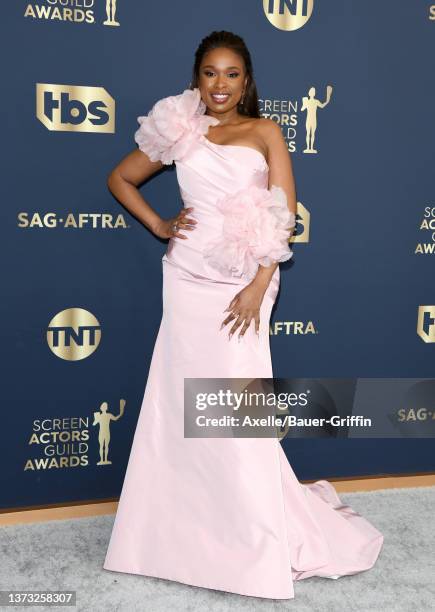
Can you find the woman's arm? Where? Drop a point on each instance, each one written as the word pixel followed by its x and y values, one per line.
pixel 245 306
pixel 133 170
pixel 281 175
pixel 123 180
pixel 280 163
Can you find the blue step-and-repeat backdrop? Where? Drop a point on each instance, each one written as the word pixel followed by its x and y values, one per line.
pixel 351 83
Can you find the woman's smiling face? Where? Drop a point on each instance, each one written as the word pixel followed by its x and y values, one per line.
pixel 222 79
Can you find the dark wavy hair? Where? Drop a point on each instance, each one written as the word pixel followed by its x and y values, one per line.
pixel 234 42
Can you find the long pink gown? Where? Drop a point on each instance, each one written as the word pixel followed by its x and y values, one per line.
pixel 219 513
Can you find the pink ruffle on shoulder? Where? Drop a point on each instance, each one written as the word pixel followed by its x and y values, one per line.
pixel 257 225
pixel 173 123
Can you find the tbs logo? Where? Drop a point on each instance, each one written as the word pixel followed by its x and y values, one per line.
pixel 75 108
pixel 426 323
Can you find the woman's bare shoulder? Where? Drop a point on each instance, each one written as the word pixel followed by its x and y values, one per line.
pixel 267 133
pixel 268 128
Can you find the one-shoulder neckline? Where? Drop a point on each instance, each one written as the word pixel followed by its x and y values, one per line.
pixel 234 146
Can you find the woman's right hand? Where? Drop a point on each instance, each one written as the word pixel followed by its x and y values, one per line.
pixel 165 228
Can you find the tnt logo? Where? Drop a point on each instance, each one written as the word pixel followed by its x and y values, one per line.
pixel 288 14
pixel 75 108
pixel 426 323
pixel 73 334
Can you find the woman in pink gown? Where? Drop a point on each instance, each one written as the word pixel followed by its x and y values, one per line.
pixel 221 513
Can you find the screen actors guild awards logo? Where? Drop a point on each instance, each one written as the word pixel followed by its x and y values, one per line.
pixel 103 419
pixel 427 230
pixel 310 104
pixel 110 12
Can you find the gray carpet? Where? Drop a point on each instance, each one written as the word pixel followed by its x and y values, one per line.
pixel 69 555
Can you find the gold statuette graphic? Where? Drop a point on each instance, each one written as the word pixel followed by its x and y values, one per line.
pixel 103 419
pixel 110 12
pixel 311 104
